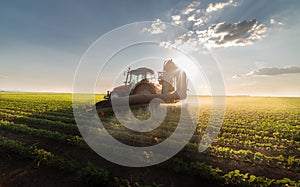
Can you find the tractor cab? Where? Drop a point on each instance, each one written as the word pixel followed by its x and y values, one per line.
pixel 136 76
pixel 133 78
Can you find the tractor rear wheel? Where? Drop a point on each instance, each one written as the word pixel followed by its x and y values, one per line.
pixel 144 88
pixel 115 95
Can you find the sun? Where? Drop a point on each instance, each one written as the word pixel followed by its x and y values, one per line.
pixel 197 81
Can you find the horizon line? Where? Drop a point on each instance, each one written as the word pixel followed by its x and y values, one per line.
pixel 201 95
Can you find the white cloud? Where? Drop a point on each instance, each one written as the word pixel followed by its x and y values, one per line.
pixel 224 34
pixel 196 20
pixel 156 27
pixel 218 6
pixel 176 17
pixel 203 31
pixel 275 22
pixel 270 71
pixel 236 76
pixel 191 7
pixel 191 17
pixel 233 34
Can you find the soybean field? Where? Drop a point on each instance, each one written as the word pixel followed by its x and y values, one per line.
pixel 40 145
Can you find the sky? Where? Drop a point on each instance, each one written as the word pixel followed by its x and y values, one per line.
pixel 255 43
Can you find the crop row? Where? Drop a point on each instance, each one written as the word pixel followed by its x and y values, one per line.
pixel 21 128
pixel 273 143
pixel 234 177
pixel 92 175
pixel 42 122
pixel 219 151
pixel 286 147
pixel 48 116
pixel 89 175
pixel 225 152
pixel 258 139
pixel 255 157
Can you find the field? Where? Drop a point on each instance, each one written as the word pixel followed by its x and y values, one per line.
pixel 40 145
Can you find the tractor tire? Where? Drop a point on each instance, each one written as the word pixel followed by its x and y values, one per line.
pixel 115 95
pixel 144 88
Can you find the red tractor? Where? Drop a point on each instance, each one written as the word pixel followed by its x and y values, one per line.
pixel 140 87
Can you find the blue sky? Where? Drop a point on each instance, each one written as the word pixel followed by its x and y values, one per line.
pixel 256 43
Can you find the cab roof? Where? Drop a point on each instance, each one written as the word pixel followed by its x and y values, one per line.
pixel 142 71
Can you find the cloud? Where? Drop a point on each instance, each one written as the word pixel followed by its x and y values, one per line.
pixel 236 76
pixel 156 27
pixel 270 71
pixel 275 22
pixel 194 16
pixel 191 7
pixel 203 30
pixel 217 6
pixel 233 34
pixel 198 21
pixel 190 17
pixel 223 35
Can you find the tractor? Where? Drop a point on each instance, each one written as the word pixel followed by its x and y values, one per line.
pixel 140 87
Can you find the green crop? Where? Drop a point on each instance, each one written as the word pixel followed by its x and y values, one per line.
pixel 256 131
